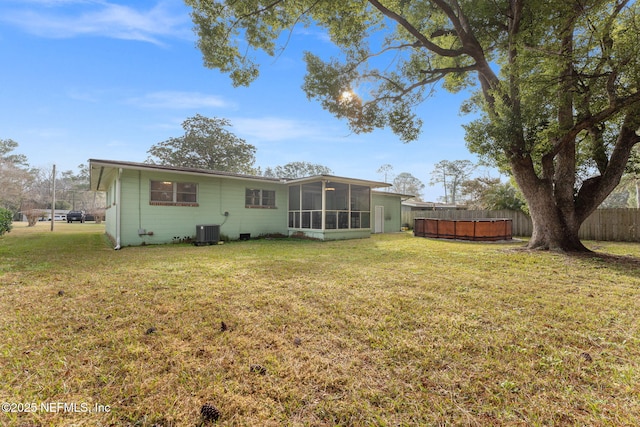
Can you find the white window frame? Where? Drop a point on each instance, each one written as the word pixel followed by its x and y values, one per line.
pixel 262 198
pixel 174 194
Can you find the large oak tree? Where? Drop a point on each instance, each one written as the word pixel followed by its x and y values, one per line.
pixel 556 81
pixel 206 144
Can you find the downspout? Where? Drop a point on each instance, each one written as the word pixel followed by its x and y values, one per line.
pixel 118 210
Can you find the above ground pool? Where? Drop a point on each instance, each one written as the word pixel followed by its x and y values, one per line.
pixel 484 229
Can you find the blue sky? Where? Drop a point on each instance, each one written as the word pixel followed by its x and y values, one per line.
pixel 85 79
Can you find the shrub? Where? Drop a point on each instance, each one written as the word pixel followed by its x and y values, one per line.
pixel 5 221
pixel 33 215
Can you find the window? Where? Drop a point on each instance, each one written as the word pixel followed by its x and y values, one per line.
pixel 186 192
pixel 305 203
pixel 170 193
pixel 162 191
pixel 360 206
pixel 294 198
pixel 312 196
pixel 337 206
pixel 346 206
pixel 337 196
pixel 360 198
pixel 258 198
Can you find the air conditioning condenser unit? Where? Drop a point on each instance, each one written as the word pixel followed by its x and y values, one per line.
pixel 207 234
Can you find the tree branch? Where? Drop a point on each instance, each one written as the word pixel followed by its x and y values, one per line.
pixel 595 190
pixel 259 11
pixel 296 23
pixel 435 76
pixel 601 116
pixel 385 50
pixel 414 31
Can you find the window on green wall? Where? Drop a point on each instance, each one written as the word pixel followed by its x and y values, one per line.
pixel 259 198
pixel 171 193
pixel 186 192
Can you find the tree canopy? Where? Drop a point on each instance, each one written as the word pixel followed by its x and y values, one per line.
pixel 15 179
pixel 6 147
pixel 405 183
pixel 27 189
pixel 385 170
pixel 298 170
pixel 206 144
pixel 491 194
pixel 451 174
pixel 556 81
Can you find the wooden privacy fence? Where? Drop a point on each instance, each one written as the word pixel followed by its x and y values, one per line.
pixel 617 225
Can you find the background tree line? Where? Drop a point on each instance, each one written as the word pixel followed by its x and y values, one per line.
pixel 25 189
pixel 208 144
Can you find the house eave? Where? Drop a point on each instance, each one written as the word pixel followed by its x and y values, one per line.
pixel 390 193
pixel 338 179
pixel 100 170
pixel 103 167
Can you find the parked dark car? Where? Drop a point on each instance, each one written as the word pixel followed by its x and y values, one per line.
pixel 75 216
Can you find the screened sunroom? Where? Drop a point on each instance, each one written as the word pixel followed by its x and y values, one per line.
pixel 330 207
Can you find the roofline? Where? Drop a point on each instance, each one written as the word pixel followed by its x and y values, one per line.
pixel 334 178
pixel 428 204
pixel 207 172
pixel 391 193
pixel 191 171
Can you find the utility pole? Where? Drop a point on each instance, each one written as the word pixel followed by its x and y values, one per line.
pixel 53 198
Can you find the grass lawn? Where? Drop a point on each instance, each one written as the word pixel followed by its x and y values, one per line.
pixel 392 330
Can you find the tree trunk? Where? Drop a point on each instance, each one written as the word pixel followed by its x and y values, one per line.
pixel 552 229
pixel 555 224
pixel 556 217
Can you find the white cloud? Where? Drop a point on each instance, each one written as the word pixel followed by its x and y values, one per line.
pixel 180 100
pixel 68 18
pixel 278 129
pixel 314 32
pixel 47 133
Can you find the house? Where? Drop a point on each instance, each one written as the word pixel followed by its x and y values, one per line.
pixel 415 206
pixel 412 209
pixel 150 204
pixel 43 214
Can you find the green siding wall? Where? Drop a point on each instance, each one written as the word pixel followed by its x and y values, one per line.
pixel 215 197
pixel 392 211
